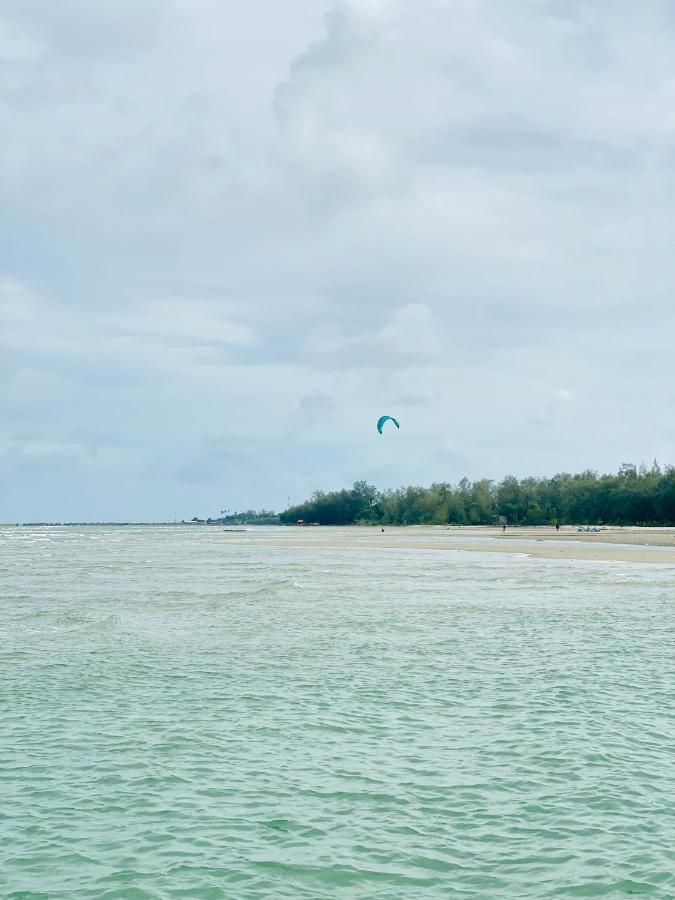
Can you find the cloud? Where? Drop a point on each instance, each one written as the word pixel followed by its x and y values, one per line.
pixel 233 234
pixel 189 321
pixel 411 335
pixel 108 33
pixel 315 407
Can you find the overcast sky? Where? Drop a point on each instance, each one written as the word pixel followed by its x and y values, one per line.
pixel 235 232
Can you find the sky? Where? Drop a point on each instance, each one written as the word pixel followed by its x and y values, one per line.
pixel 234 233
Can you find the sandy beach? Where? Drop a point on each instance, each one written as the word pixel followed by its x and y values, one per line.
pixel 614 544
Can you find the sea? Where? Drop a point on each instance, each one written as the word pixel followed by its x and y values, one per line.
pixel 188 712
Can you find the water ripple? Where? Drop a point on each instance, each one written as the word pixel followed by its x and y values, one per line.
pixel 186 717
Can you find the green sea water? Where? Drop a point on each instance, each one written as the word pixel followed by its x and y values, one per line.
pixel 186 712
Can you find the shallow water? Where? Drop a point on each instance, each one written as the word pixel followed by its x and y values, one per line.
pixel 187 713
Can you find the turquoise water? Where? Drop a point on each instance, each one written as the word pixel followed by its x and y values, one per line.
pixel 188 713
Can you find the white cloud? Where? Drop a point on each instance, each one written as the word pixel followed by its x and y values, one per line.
pixel 16 45
pixel 188 320
pixel 411 335
pixel 224 220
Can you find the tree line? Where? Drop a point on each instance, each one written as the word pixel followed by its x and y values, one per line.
pixel 246 517
pixel 632 496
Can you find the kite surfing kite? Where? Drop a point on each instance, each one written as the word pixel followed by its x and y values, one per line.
pixel 383 419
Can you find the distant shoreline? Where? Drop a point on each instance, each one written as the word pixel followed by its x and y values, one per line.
pixel 615 544
pixel 604 532
pixel 634 544
pixel 83 524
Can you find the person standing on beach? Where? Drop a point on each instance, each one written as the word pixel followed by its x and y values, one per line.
pixel 557 526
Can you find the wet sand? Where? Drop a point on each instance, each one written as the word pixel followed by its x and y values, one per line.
pixel 637 545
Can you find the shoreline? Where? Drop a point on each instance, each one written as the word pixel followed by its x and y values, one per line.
pixel 636 545
pixel 631 544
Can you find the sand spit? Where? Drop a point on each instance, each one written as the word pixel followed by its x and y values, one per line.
pixel 637 545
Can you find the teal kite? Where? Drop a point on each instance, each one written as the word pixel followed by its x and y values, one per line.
pixel 383 419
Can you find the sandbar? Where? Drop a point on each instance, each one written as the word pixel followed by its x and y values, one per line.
pixel 613 544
